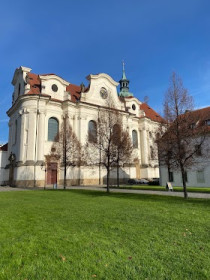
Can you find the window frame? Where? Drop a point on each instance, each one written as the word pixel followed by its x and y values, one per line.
pixel 186 176
pixel 171 176
pixel 92 132
pixel 135 141
pixel 199 179
pixel 207 122
pixel 49 138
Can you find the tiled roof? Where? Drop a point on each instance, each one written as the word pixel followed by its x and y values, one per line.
pixel 35 83
pixel 75 92
pixel 202 114
pixel 4 147
pixel 199 117
pixel 35 86
pixel 150 113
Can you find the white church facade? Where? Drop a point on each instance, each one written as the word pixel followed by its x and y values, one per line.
pixel 39 104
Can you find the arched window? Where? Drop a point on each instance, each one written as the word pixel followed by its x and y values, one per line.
pixel 16 131
pixel 152 152
pixel 19 88
pixel 135 139
pixel 92 131
pixel 116 133
pixel 52 129
pixel 158 136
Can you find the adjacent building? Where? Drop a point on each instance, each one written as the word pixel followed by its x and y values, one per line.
pixel 197 175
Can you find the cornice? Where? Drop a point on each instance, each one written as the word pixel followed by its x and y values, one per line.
pixel 53 77
pixel 26 97
pixel 102 75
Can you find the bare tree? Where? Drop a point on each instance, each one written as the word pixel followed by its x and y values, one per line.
pixel 67 147
pixel 185 135
pixel 124 147
pixel 105 146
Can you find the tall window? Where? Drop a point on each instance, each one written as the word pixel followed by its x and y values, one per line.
pixel 135 139
pixel 52 128
pixel 198 150
pixel 152 152
pixel 200 176
pixel 116 133
pixel 92 131
pixel 170 176
pixel 186 177
pixel 19 88
pixel 16 131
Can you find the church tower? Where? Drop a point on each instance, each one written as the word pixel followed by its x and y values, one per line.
pixel 124 85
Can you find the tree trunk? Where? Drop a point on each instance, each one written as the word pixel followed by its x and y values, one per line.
pixel 107 180
pixel 118 177
pixel 64 182
pixel 184 183
pixel 168 173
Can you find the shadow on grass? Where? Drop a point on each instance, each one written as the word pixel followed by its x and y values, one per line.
pixel 140 197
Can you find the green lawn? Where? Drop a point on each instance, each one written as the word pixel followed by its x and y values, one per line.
pixel 91 235
pixel 160 188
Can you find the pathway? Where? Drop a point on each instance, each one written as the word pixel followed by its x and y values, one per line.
pixel 103 189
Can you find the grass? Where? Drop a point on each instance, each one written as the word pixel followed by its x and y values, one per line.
pixel 161 188
pixel 91 235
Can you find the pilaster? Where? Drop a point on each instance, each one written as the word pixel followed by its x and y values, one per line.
pixel 31 136
pixel 144 147
pixel 22 132
pixel 40 138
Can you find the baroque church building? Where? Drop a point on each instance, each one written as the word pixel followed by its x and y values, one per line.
pixel 39 103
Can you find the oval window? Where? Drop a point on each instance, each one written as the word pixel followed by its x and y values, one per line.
pixel 54 87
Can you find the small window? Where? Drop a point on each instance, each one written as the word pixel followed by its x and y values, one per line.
pixel 134 107
pixel 200 176
pixel 54 88
pixel 92 131
pixel 198 150
pixel 150 134
pixel 192 125
pixel 135 139
pixel 207 122
pixel 170 176
pixel 186 177
pixel 52 129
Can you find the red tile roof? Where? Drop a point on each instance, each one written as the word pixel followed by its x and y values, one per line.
pixel 35 83
pixel 199 117
pixel 35 86
pixel 75 92
pixel 150 113
pixel 4 147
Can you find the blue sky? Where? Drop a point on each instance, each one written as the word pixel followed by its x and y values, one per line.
pixel 75 38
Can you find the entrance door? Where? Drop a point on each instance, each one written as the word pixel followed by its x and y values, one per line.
pixel 52 173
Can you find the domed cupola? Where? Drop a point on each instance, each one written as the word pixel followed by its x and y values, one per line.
pixel 124 85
